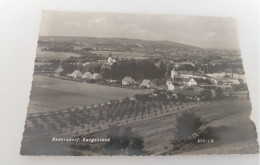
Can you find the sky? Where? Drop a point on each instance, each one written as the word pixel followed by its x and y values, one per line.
pixel 201 31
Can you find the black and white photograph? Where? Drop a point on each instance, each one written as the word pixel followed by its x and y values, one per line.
pixel 138 84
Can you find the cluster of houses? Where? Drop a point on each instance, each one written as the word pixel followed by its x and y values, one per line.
pixel 87 75
pixel 77 74
pixel 128 81
pixel 179 79
pixel 227 79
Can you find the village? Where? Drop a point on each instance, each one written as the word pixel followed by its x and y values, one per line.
pixel 183 78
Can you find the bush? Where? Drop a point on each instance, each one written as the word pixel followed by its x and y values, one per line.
pixel 126 141
pixel 187 124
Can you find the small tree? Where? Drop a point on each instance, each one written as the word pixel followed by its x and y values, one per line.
pixel 136 146
pixel 114 145
pixel 206 94
pixel 187 124
pixel 125 137
pixel 126 142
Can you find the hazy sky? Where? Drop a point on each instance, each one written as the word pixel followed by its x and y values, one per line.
pixel 205 32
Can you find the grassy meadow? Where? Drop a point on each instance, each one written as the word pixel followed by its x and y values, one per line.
pixel 50 94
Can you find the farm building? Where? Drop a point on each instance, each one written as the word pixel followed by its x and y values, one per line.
pixel 147 84
pixel 213 80
pixel 75 74
pixel 217 75
pixel 59 72
pixel 96 76
pixel 181 81
pixel 181 73
pixel 87 75
pixel 173 86
pixel 128 81
pixel 229 82
pixel 199 82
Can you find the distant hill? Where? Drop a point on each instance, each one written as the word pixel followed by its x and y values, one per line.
pixel 117 43
pixel 167 44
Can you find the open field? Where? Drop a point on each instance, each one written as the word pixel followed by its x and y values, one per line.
pixel 54 55
pixel 237 137
pixel 122 54
pixel 50 94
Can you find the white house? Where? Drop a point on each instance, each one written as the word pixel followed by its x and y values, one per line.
pixel 173 86
pixel 147 83
pixel 128 81
pixel 181 74
pixel 199 81
pixel 192 82
pixel 75 74
pixel 87 75
pixel 96 76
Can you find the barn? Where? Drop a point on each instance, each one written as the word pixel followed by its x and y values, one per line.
pixel 173 86
pixel 147 84
pixel 96 76
pixel 76 74
pixel 128 81
pixel 87 75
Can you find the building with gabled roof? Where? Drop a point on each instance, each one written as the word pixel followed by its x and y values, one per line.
pixel 128 81
pixel 173 86
pixel 87 75
pixel 75 74
pixel 199 82
pixel 147 84
pixel 175 73
pixel 96 76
